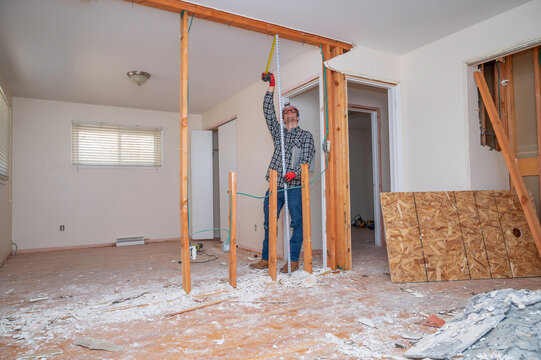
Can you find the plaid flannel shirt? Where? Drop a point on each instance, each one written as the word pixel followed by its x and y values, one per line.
pixel 298 144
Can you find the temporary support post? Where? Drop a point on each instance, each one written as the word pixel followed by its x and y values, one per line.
pixel 512 165
pixel 233 234
pixel 273 228
pixel 184 239
pixel 329 174
pixel 306 220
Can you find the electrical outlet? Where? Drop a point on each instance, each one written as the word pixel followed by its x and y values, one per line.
pixel 62 227
pixel 255 227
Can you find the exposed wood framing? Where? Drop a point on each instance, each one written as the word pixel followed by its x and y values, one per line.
pixel 537 82
pixel 518 182
pixel 233 234
pixel 242 22
pixel 483 118
pixel 528 166
pixel 306 221
pixel 184 239
pixel 329 174
pixel 273 227
pixel 510 100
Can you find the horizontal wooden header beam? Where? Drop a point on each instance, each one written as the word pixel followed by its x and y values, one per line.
pixel 242 22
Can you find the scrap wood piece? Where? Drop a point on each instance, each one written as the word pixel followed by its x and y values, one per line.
pixel 433 321
pixel 213 293
pixel 442 239
pixel 496 248
pixel 523 256
pixel 95 344
pixel 196 308
pixel 514 172
pixel 38 299
pixel 404 248
pixel 471 233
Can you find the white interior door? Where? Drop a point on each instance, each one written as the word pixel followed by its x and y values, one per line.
pixel 227 150
pixel 201 189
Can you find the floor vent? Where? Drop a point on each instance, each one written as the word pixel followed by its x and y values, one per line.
pixel 136 240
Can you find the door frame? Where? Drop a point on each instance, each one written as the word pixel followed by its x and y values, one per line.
pixel 375 129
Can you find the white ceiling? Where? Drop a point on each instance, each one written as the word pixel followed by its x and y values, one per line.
pixel 80 50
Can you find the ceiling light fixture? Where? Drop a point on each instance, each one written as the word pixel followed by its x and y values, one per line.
pixel 138 77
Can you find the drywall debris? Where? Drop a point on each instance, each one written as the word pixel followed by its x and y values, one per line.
pixel 414 293
pixel 38 299
pixel 46 353
pixel 366 322
pixel 9 292
pixel 94 344
pixel 412 336
pixel 510 314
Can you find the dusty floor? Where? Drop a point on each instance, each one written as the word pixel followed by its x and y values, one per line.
pixel 123 295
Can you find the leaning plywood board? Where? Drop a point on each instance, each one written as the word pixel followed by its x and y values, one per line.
pixel 474 243
pixel 440 233
pixel 492 232
pixel 523 255
pixel 465 235
pixel 404 247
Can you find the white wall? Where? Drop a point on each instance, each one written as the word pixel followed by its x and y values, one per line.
pixel 5 205
pixel 96 205
pixel 441 148
pixel 360 171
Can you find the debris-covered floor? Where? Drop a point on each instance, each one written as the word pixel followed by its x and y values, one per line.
pixel 52 301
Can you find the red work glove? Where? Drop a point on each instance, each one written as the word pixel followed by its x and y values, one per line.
pixel 289 176
pixel 268 77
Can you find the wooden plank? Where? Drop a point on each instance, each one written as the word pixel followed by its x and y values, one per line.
pixel 482 114
pixel 184 237
pixel 329 174
pixel 474 243
pixel 404 246
pixel 496 249
pixel 273 227
pixel 233 234
pixel 537 85
pixel 528 166
pixel 510 99
pixel 442 240
pixel 223 17
pixel 523 257
pixel 518 182
pixel 306 220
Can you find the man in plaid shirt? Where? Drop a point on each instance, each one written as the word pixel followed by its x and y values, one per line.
pixel 299 149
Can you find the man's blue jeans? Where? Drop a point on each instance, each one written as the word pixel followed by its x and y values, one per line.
pixel 294 201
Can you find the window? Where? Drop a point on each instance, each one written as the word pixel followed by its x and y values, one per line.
pixel 120 146
pixel 4 137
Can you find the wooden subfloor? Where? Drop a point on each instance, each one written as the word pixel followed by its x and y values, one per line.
pixel 123 295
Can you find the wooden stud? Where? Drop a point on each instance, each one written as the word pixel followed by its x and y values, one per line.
pixel 233 234
pixel 273 227
pixel 528 166
pixel 537 85
pixel 242 22
pixel 184 237
pixel 483 117
pixel 329 174
pixel 518 182
pixel 306 221
pixel 510 99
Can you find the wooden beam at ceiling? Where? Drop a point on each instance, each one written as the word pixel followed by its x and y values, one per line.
pixel 184 236
pixel 223 17
pixel 518 182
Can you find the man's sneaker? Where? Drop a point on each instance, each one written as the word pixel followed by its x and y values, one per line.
pixel 294 266
pixel 261 264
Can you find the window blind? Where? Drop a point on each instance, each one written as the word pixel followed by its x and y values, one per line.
pixel 4 137
pixel 119 146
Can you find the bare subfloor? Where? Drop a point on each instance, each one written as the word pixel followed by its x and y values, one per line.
pixel 123 295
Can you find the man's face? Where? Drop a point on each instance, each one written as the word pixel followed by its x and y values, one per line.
pixel 290 115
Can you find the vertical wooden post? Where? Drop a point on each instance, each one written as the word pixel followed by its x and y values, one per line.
pixel 233 234
pixel 306 220
pixel 510 99
pixel 512 165
pixel 329 174
pixel 273 226
pixel 184 236
pixel 537 85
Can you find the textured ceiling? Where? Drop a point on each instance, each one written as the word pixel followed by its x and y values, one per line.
pixel 80 51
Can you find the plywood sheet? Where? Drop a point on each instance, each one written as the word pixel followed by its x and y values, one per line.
pixel 472 235
pixel 441 236
pixel 492 234
pixel 523 255
pixel 404 250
